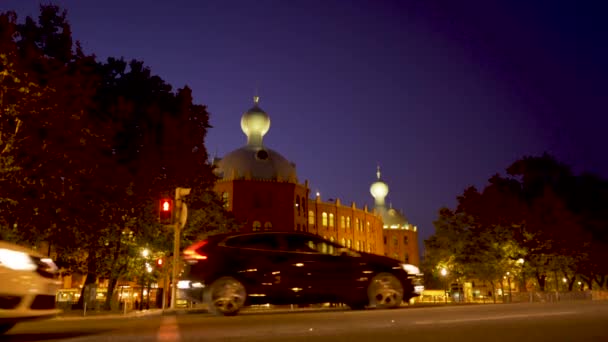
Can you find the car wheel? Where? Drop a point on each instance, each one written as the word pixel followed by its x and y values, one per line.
pixel 385 291
pixel 6 327
pixel 226 296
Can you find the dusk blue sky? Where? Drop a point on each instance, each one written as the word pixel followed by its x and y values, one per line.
pixel 440 94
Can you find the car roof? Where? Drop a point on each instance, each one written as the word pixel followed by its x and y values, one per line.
pixel 216 238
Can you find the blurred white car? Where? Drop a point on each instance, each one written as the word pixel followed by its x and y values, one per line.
pixel 28 285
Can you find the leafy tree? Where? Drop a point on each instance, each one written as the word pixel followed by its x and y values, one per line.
pixel 88 148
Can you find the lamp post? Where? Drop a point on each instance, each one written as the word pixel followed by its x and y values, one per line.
pixel 444 273
pixel 509 283
pixel 144 253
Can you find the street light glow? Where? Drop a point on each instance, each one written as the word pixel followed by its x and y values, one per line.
pixel 145 253
pixel 444 272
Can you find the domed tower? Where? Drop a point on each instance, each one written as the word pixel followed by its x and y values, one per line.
pixel 258 184
pixel 254 160
pixel 400 237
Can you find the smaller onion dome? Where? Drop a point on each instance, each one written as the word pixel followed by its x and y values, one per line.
pixel 379 190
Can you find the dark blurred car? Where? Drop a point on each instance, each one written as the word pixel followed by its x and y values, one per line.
pixel 229 271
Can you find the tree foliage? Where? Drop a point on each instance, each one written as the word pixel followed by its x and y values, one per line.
pixel 88 147
pixel 539 220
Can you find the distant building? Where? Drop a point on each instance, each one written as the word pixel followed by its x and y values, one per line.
pixel 261 188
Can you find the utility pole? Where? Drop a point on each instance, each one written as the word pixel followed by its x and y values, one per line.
pixel 180 215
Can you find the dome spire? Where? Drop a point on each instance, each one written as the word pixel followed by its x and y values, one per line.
pixel 378 171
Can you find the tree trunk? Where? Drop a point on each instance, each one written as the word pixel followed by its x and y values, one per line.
pixel 90 279
pixel 571 283
pixel 541 278
pixel 110 294
pixel 600 280
pixel 588 280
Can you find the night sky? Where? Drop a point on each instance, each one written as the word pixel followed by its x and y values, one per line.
pixel 440 94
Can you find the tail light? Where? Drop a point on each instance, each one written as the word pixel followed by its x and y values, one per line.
pixel 194 253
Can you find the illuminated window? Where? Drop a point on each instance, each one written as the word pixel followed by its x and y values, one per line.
pixel 331 238
pixel 256 226
pixel 298 204
pixel 348 222
pixel 331 220
pixel 226 200
pixel 349 243
pixel 367 224
pixel 267 226
pixel 311 217
pixel 357 224
pixel 369 248
pixel 342 222
pixel 343 242
pixel 324 218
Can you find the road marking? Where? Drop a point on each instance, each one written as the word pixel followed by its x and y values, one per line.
pixel 494 318
pixel 169 331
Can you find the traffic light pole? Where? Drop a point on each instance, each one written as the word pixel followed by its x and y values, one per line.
pixel 176 243
pixel 180 214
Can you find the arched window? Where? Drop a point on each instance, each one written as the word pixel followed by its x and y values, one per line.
pixel 343 242
pixel 358 245
pixel 226 200
pixel 348 222
pixel 324 219
pixel 395 241
pixel 298 204
pixel 256 226
pixel 349 243
pixel 267 226
pixel 311 217
pixel 342 222
pixel 331 220
pixel 357 224
pixel 368 227
pixel 405 240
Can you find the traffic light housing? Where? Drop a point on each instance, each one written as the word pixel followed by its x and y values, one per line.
pixel 165 211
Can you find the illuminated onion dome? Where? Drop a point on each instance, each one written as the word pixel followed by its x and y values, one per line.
pixel 379 190
pixel 254 160
pixel 255 123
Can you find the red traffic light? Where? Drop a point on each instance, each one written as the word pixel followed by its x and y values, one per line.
pixel 159 262
pixel 165 211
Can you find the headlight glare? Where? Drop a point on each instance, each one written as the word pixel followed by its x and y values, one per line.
pixel 15 260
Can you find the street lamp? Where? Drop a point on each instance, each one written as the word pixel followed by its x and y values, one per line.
pixel 444 273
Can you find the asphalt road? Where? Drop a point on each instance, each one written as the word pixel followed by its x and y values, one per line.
pixel 574 321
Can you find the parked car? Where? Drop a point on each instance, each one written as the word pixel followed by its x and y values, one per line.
pixel 229 271
pixel 28 286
